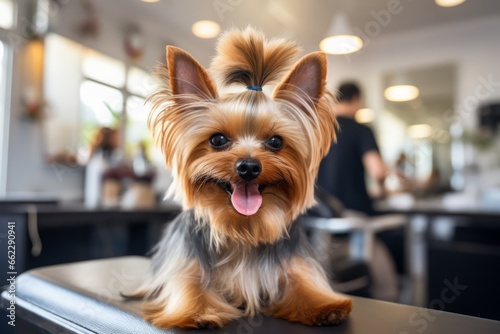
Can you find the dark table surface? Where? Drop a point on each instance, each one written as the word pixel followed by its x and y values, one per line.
pixel 47 207
pixel 455 205
pixel 65 214
pixel 85 298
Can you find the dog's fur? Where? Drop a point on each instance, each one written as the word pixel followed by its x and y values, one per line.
pixel 215 264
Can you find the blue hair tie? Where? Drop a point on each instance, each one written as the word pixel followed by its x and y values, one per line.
pixel 256 88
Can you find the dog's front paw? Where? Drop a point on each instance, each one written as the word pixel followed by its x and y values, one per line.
pixel 210 321
pixel 204 313
pixel 333 314
pixel 328 312
pixel 187 320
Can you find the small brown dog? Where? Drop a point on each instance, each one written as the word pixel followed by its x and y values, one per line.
pixel 244 164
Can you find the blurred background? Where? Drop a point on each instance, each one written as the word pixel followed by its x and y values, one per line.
pixel 80 176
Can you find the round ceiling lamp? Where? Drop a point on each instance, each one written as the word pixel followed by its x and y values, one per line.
pixel 340 38
pixel 401 93
pixel 449 3
pixel 205 29
pixel 401 90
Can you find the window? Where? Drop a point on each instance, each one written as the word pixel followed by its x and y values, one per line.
pixel 107 84
pixel 101 105
pixel 137 115
pixel 101 68
pixel 87 90
pixel 139 83
pixel 6 14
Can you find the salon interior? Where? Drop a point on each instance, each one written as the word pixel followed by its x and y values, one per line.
pixel 82 180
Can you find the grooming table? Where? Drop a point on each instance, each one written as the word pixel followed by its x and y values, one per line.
pixel 84 297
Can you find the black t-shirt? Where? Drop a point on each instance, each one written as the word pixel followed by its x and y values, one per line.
pixel 341 172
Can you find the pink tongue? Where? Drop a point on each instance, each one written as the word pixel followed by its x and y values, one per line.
pixel 246 198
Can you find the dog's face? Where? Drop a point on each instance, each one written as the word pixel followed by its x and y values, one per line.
pixel 245 162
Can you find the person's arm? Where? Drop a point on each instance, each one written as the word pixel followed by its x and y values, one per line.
pixel 374 165
pixel 372 161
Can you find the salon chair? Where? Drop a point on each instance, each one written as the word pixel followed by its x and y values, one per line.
pixel 344 242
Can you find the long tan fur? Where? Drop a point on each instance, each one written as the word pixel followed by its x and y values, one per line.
pixel 187 109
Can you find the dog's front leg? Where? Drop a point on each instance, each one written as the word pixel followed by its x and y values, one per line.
pixel 182 301
pixel 308 297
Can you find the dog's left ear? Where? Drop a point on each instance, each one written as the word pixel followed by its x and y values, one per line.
pixel 307 79
pixel 187 76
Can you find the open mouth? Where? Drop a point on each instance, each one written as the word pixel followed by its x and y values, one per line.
pixel 246 197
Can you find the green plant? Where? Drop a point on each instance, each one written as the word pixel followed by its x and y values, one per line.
pixel 481 139
pixel 115 114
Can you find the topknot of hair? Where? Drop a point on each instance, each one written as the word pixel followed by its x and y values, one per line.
pixel 247 58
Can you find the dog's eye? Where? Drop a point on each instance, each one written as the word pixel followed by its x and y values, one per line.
pixel 218 141
pixel 275 143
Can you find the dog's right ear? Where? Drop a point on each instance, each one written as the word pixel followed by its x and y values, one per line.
pixel 187 76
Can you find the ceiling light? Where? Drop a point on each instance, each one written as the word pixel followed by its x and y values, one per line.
pixel 205 29
pixel 449 3
pixel 400 89
pixel 419 131
pixel 401 93
pixel 364 115
pixel 341 39
pixel 150 1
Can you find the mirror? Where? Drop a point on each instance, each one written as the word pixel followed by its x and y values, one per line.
pixel 414 127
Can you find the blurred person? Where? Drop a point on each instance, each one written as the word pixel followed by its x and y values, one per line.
pixel 399 178
pixel 342 174
pixel 342 171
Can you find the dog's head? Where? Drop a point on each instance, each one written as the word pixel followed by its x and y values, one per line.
pixel 245 161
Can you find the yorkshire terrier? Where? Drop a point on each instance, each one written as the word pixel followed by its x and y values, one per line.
pixel 244 163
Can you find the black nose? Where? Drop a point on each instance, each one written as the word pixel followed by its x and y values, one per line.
pixel 248 168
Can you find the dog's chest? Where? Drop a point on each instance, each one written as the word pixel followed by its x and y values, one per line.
pixel 248 278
